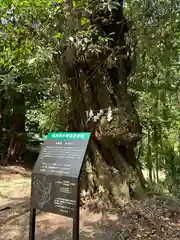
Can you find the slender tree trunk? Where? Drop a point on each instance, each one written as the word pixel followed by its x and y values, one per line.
pixel 17 139
pixel 156 131
pixel 149 157
pixel 139 170
pixel 156 152
pixel 3 103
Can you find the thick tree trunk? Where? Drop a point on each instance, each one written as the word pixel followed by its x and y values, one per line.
pixel 98 88
pixel 17 139
pixel 114 143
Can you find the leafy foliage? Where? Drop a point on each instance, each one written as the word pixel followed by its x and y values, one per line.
pixel 156 31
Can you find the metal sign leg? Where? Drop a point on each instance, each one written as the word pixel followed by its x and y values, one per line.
pixel 76 219
pixel 75 228
pixel 32 224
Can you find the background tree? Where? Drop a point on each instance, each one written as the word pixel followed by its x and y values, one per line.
pixel 156 31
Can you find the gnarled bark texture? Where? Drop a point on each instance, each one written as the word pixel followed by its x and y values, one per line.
pixel 95 86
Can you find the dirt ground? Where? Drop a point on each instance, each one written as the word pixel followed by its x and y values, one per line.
pixel 147 219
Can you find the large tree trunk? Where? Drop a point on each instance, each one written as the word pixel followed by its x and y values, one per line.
pixel 17 138
pixel 115 140
pixel 98 88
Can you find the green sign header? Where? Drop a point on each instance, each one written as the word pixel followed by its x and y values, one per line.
pixel 69 135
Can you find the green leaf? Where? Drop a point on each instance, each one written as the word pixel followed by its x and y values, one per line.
pixel 84 21
pixel 59 36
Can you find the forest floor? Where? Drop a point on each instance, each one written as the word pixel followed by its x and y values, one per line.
pixel 152 218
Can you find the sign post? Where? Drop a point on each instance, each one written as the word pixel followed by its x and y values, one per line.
pixel 32 224
pixel 75 232
pixel 56 176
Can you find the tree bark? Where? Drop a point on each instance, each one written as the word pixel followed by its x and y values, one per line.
pixel 17 139
pixel 149 156
pixel 3 103
pixel 100 89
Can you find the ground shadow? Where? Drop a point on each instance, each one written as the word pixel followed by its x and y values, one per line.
pixel 109 230
pixel 17 208
pixel 27 162
pixel 147 222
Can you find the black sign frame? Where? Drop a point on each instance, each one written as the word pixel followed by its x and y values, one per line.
pixel 75 231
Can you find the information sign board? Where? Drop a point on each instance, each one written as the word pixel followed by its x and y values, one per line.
pixel 55 177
